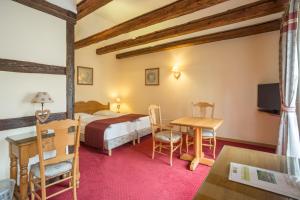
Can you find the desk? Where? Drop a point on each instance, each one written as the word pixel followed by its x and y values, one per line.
pixel 218 187
pixel 23 147
pixel 198 123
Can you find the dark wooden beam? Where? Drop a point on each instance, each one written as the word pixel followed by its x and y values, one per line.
pixel 70 90
pixel 50 8
pixel 13 123
pixel 30 67
pixel 86 7
pixel 236 33
pixel 170 11
pixel 246 12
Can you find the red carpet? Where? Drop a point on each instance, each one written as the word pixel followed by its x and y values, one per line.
pixel 131 174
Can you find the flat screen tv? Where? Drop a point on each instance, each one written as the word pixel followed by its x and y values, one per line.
pixel 268 98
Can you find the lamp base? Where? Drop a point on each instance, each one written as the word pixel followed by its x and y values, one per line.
pixel 42 115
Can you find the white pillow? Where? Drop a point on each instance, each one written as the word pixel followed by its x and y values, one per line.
pixel 105 113
pixel 83 116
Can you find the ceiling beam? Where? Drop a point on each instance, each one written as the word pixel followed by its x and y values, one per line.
pixel 246 12
pixel 50 9
pixel 236 33
pixel 30 67
pixel 170 11
pixel 86 7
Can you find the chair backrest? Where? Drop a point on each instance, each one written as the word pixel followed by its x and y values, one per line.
pixel 66 133
pixel 155 117
pixel 201 109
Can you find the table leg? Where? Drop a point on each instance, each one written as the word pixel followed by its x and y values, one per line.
pixel 13 164
pixel 197 149
pixel 24 159
pixel 187 157
pixel 199 155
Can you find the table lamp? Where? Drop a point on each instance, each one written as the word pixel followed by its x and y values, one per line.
pixel 42 97
pixel 118 100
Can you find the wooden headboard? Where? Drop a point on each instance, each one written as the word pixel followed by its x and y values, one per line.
pixel 89 107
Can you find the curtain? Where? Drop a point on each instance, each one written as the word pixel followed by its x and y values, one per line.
pixel 288 142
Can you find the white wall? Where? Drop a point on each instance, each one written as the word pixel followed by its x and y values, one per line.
pixel 106 68
pixel 106 76
pixel 225 72
pixel 29 35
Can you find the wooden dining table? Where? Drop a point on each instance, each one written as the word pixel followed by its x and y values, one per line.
pixel 198 123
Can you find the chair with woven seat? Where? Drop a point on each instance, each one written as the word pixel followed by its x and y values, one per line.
pixel 163 136
pixel 63 164
pixel 201 109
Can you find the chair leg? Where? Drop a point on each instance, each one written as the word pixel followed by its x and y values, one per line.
pixel 160 147
pixel 187 143
pixel 74 186
pixel 153 149
pixel 43 188
pixel 215 144
pixel 31 187
pixel 180 147
pixel 71 180
pixel 171 154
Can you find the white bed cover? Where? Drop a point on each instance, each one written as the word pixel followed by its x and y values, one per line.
pixel 115 130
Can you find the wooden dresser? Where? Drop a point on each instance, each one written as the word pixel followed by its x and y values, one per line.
pixel 218 187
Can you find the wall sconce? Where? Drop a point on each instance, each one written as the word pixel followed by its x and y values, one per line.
pixel 118 100
pixel 176 72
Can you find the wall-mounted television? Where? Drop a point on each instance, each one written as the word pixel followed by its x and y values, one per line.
pixel 268 98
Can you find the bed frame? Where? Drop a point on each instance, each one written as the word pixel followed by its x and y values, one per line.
pixel 91 107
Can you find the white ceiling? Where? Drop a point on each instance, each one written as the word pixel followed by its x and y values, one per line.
pixel 119 11
pixel 66 4
pixel 128 8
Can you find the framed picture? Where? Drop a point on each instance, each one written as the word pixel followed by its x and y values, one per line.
pixel 84 75
pixel 152 76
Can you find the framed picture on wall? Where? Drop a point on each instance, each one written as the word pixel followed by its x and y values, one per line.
pixel 152 76
pixel 84 75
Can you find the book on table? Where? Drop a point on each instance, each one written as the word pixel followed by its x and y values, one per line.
pixel 269 180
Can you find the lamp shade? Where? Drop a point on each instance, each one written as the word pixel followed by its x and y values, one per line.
pixel 118 100
pixel 42 97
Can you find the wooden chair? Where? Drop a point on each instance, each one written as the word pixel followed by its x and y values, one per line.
pixel 163 136
pixel 201 109
pixel 64 164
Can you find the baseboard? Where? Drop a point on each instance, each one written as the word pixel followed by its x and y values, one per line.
pixel 248 142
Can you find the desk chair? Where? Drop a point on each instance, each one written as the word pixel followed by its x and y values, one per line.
pixel 163 136
pixel 64 163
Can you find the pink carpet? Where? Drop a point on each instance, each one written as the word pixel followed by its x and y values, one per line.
pixel 131 174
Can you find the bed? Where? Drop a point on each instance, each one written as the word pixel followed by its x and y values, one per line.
pixel 116 134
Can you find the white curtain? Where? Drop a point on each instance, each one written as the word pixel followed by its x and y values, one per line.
pixel 288 143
